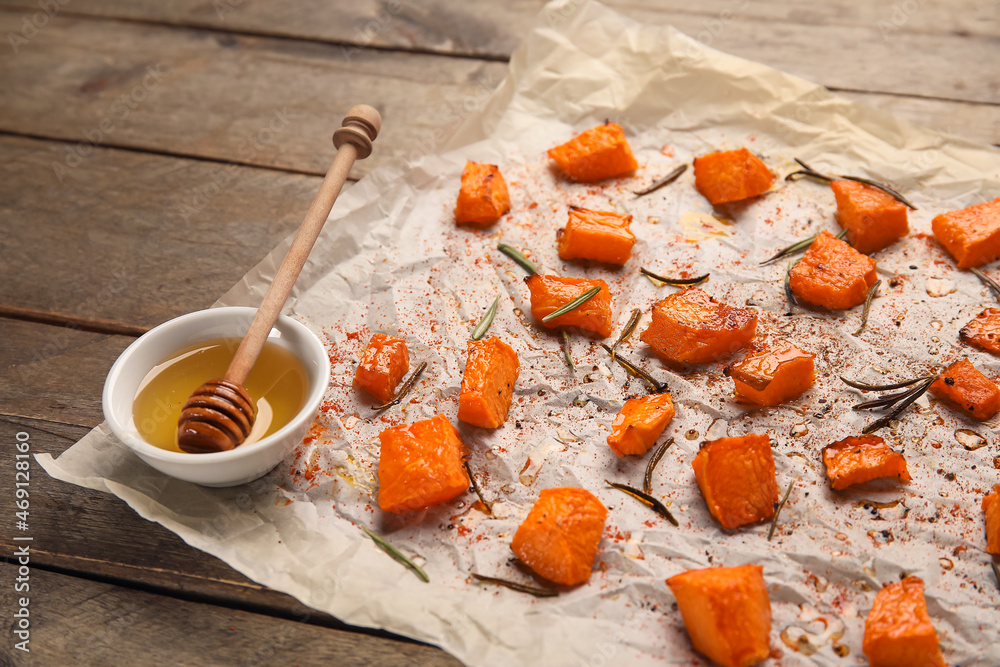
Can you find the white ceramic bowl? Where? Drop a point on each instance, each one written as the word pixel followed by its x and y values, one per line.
pixel 241 464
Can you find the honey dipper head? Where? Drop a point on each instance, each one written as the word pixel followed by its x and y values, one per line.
pixel 217 417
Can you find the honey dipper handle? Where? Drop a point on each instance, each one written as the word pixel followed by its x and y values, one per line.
pixel 353 141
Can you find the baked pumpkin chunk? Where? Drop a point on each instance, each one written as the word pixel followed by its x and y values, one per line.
pixel 773 374
pixel 559 537
pixel 970 391
pixel 483 197
pixel 550 293
pixel 971 235
pixel 859 459
pixel 874 219
pixel 984 331
pixel 832 274
pixel 598 153
pixel 420 465
pixel 602 236
pixel 692 327
pixel 383 364
pixel 727 613
pixel 737 481
pixel 639 424
pixel 991 511
pixel 731 176
pixel 898 630
pixel 491 370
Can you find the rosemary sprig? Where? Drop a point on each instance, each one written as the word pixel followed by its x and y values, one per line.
pixel 797 247
pixel 901 400
pixel 669 178
pixel 996 571
pixel 647 480
pixel 566 355
pixel 777 510
pixel 881 387
pixel 645 499
pixel 809 172
pixel 484 324
pixel 572 305
pixel 397 554
pixel 407 386
pixel 627 331
pixel 788 286
pixel 514 586
pixel 635 371
pixel 989 282
pixel 675 282
pixel 518 257
pixel 475 487
pixel 868 306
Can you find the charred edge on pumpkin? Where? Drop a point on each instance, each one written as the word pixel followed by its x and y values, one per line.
pixel 405 389
pixel 868 307
pixel 669 178
pixel 809 172
pixel 647 480
pixel 514 586
pixel 645 499
pixel 777 510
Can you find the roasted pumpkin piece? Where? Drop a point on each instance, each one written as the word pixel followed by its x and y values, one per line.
pixel 727 613
pixel 550 293
pixel 383 364
pixel 730 176
pixel 692 327
pixel 971 235
pixel 967 389
pixel 602 236
pixel 991 510
pixel 898 630
pixel 736 478
pixel 832 274
pixel 773 374
pixel 559 537
pixel 483 197
pixel 874 219
pixel 420 465
pixel 984 331
pixel 488 383
pixel 598 153
pixel 639 424
pixel 859 459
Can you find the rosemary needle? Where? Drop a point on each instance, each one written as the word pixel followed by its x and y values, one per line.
pixel 475 487
pixel 881 387
pixel 627 331
pixel 572 305
pixel 788 286
pixel 674 282
pixel 647 480
pixel 868 306
pixel 996 571
pixel 797 247
pixel 911 396
pixel 514 586
pixel 484 324
pixel 777 510
pixel 397 554
pixel 809 172
pixel 410 381
pixel 518 257
pixel 669 178
pixel 636 371
pixel 989 282
pixel 645 499
pixel 566 355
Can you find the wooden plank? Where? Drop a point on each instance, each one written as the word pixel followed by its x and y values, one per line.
pixel 907 47
pixel 260 101
pixel 135 238
pixel 76 621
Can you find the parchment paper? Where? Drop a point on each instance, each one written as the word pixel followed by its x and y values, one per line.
pixel 393 261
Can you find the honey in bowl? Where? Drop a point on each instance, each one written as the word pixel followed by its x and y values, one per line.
pixel 277 383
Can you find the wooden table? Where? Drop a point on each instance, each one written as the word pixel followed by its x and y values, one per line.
pixel 154 152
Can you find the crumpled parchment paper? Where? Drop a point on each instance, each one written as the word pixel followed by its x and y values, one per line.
pixel 393 261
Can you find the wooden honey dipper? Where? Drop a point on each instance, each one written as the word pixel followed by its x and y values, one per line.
pixel 220 414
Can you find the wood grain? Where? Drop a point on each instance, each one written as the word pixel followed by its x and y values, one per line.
pixel 104 624
pixel 132 237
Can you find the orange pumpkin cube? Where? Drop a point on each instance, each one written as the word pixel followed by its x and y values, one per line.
pixel 991 510
pixel 559 537
pixel 736 478
pixel 550 293
pixel 898 630
pixel 491 369
pixel 640 422
pixel 599 153
pixel 873 219
pixel 483 197
pixel 730 176
pixel 773 375
pixel 967 389
pixel 692 327
pixel 598 235
pixel 727 613
pixel 420 465
pixel 859 459
pixel 383 364
pixel 971 235
pixel 984 331
pixel 832 274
